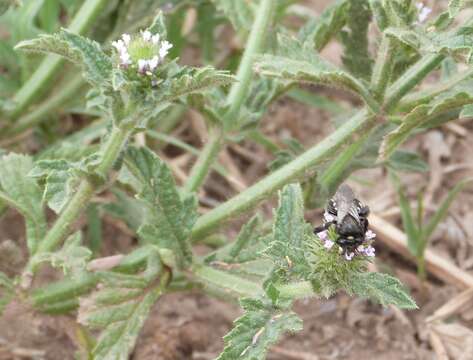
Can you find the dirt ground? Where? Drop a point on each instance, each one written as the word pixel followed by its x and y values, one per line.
pixel 191 326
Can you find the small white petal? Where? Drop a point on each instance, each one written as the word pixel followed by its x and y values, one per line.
pixel 349 256
pixel 370 251
pixel 153 63
pixel 119 45
pixel 142 65
pixel 164 50
pixel 125 58
pixel 370 235
pixel 323 235
pixel 126 39
pixel 328 244
pixel 155 39
pixel 146 35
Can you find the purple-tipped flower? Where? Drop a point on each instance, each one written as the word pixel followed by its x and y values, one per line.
pixel 366 250
pixel 424 12
pixel 143 53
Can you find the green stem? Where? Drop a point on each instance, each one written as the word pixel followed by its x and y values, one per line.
pixel 204 161
pixel 276 180
pixel 382 68
pixel 239 90
pixel 236 96
pixel 79 201
pixel 49 67
pixel 46 108
pixel 411 78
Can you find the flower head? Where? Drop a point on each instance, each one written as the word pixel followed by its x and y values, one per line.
pixel 144 52
pixel 424 12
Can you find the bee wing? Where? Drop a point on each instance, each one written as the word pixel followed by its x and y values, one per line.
pixel 343 199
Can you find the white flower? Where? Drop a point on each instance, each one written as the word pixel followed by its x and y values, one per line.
pixel 164 50
pixel 349 256
pixel 370 235
pixel 153 63
pixel 126 39
pixel 328 244
pixel 125 58
pixel 370 251
pixel 328 217
pixel 155 39
pixel 119 45
pixel 146 35
pixel 142 65
pixel 424 12
pixel 323 235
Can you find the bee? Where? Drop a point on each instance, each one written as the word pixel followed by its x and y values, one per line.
pixel 350 218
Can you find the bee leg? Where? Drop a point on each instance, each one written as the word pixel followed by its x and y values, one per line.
pixel 323 227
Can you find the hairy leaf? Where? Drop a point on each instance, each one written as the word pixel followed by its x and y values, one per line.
pixel 356 56
pixel 238 12
pixel 22 192
pixel 77 49
pixel 59 182
pixel 383 288
pixel 260 327
pixel 287 250
pixel 454 7
pixel 402 160
pixel 120 307
pixel 170 218
pixel 297 62
pixel 320 30
pixel 248 235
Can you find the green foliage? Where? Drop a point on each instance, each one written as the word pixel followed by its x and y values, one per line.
pixel 297 62
pixel 238 12
pixel 21 192
pixel 84 52
pixel 260 327
pixel 170 218
pixel 121 307
pixel 356 56
pixel 382 288
pixel 454 7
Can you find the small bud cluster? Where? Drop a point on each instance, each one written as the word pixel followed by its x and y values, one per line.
pixel 145 53
pixel 424 12
pixel 364 249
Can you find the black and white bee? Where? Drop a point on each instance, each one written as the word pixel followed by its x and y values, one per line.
pixel 350 218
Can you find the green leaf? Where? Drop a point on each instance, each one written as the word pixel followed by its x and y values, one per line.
pixel 422 116
pixel 409 224
pixel 402 160
pixel 77 49
pixel 320 30
pixel 287 250
pixel 248 235
pixel 72 258
pixel 59 186
pixel 383 288
pixel 467 112
pixel 158 26
pixel 238 12
pixel 454 7
pixel 120 308
pixel 22 192
pixel 356 56
pixel 298 63
pixel 170 218
pixel 442 211
pixel 127 209
pixel 259 328
pixel 192 80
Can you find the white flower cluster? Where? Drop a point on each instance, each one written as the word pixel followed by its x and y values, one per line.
pixel 424 12
pixel 145 66
pixel 364 249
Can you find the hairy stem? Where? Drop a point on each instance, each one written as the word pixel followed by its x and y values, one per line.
pixel 236 96
pixel 39 81
pixel 79 201
pixel 382 68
